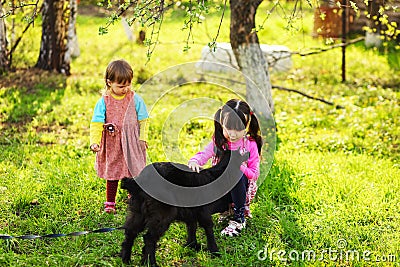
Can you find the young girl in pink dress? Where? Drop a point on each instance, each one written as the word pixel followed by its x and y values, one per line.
pixel 117 130
pixel 236 127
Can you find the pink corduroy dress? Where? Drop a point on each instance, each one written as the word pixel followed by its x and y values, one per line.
pixel 120 153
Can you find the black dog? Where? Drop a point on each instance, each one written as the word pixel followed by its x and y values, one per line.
pixel 146 212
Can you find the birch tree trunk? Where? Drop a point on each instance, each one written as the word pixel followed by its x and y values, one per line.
pixel 3 43
pixel 72 47
pixel 248 54
pixel 55 16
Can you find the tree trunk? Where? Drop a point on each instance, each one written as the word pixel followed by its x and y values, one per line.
pixel 72 50
pixel 3 43
pixel 55 16
pixel 373 38
pixel 248 54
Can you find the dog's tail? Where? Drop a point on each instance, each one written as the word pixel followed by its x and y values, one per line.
pixel 130 184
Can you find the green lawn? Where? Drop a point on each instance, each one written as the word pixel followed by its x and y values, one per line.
pixel 332 190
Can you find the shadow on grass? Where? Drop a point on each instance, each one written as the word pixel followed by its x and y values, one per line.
pixel 24 94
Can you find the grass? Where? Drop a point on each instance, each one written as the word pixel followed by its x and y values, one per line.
pixel 333 184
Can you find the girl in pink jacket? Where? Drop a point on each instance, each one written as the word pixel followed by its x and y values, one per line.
pixel 236 127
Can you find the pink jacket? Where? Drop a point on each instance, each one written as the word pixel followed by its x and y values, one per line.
pixel 251 168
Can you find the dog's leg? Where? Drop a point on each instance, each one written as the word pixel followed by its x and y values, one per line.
pixel 205 221
pixel 153 235
pixel 191 228
pixel 145 251
pixel 133 226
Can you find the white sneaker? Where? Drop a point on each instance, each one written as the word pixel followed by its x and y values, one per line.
pixel 233 229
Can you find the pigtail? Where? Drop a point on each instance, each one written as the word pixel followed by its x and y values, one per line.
pixel 254 131
pixel 219 138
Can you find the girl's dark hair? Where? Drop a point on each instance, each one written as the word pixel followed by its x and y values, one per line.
pixel 118 71
pixel 235 115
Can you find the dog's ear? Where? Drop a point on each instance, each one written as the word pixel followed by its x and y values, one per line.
pixel 124 183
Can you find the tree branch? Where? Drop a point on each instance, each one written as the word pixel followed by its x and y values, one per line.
pixel 308 96
pixel 31 22
pixel 279 88
pixel 213 44
pixel 320 50
pixel 10 12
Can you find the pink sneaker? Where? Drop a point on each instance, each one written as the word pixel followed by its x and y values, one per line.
pixel 109 207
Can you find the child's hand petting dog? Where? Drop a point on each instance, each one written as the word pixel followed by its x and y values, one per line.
pixel 194 166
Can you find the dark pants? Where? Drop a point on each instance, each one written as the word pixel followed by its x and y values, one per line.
pixel 238 195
